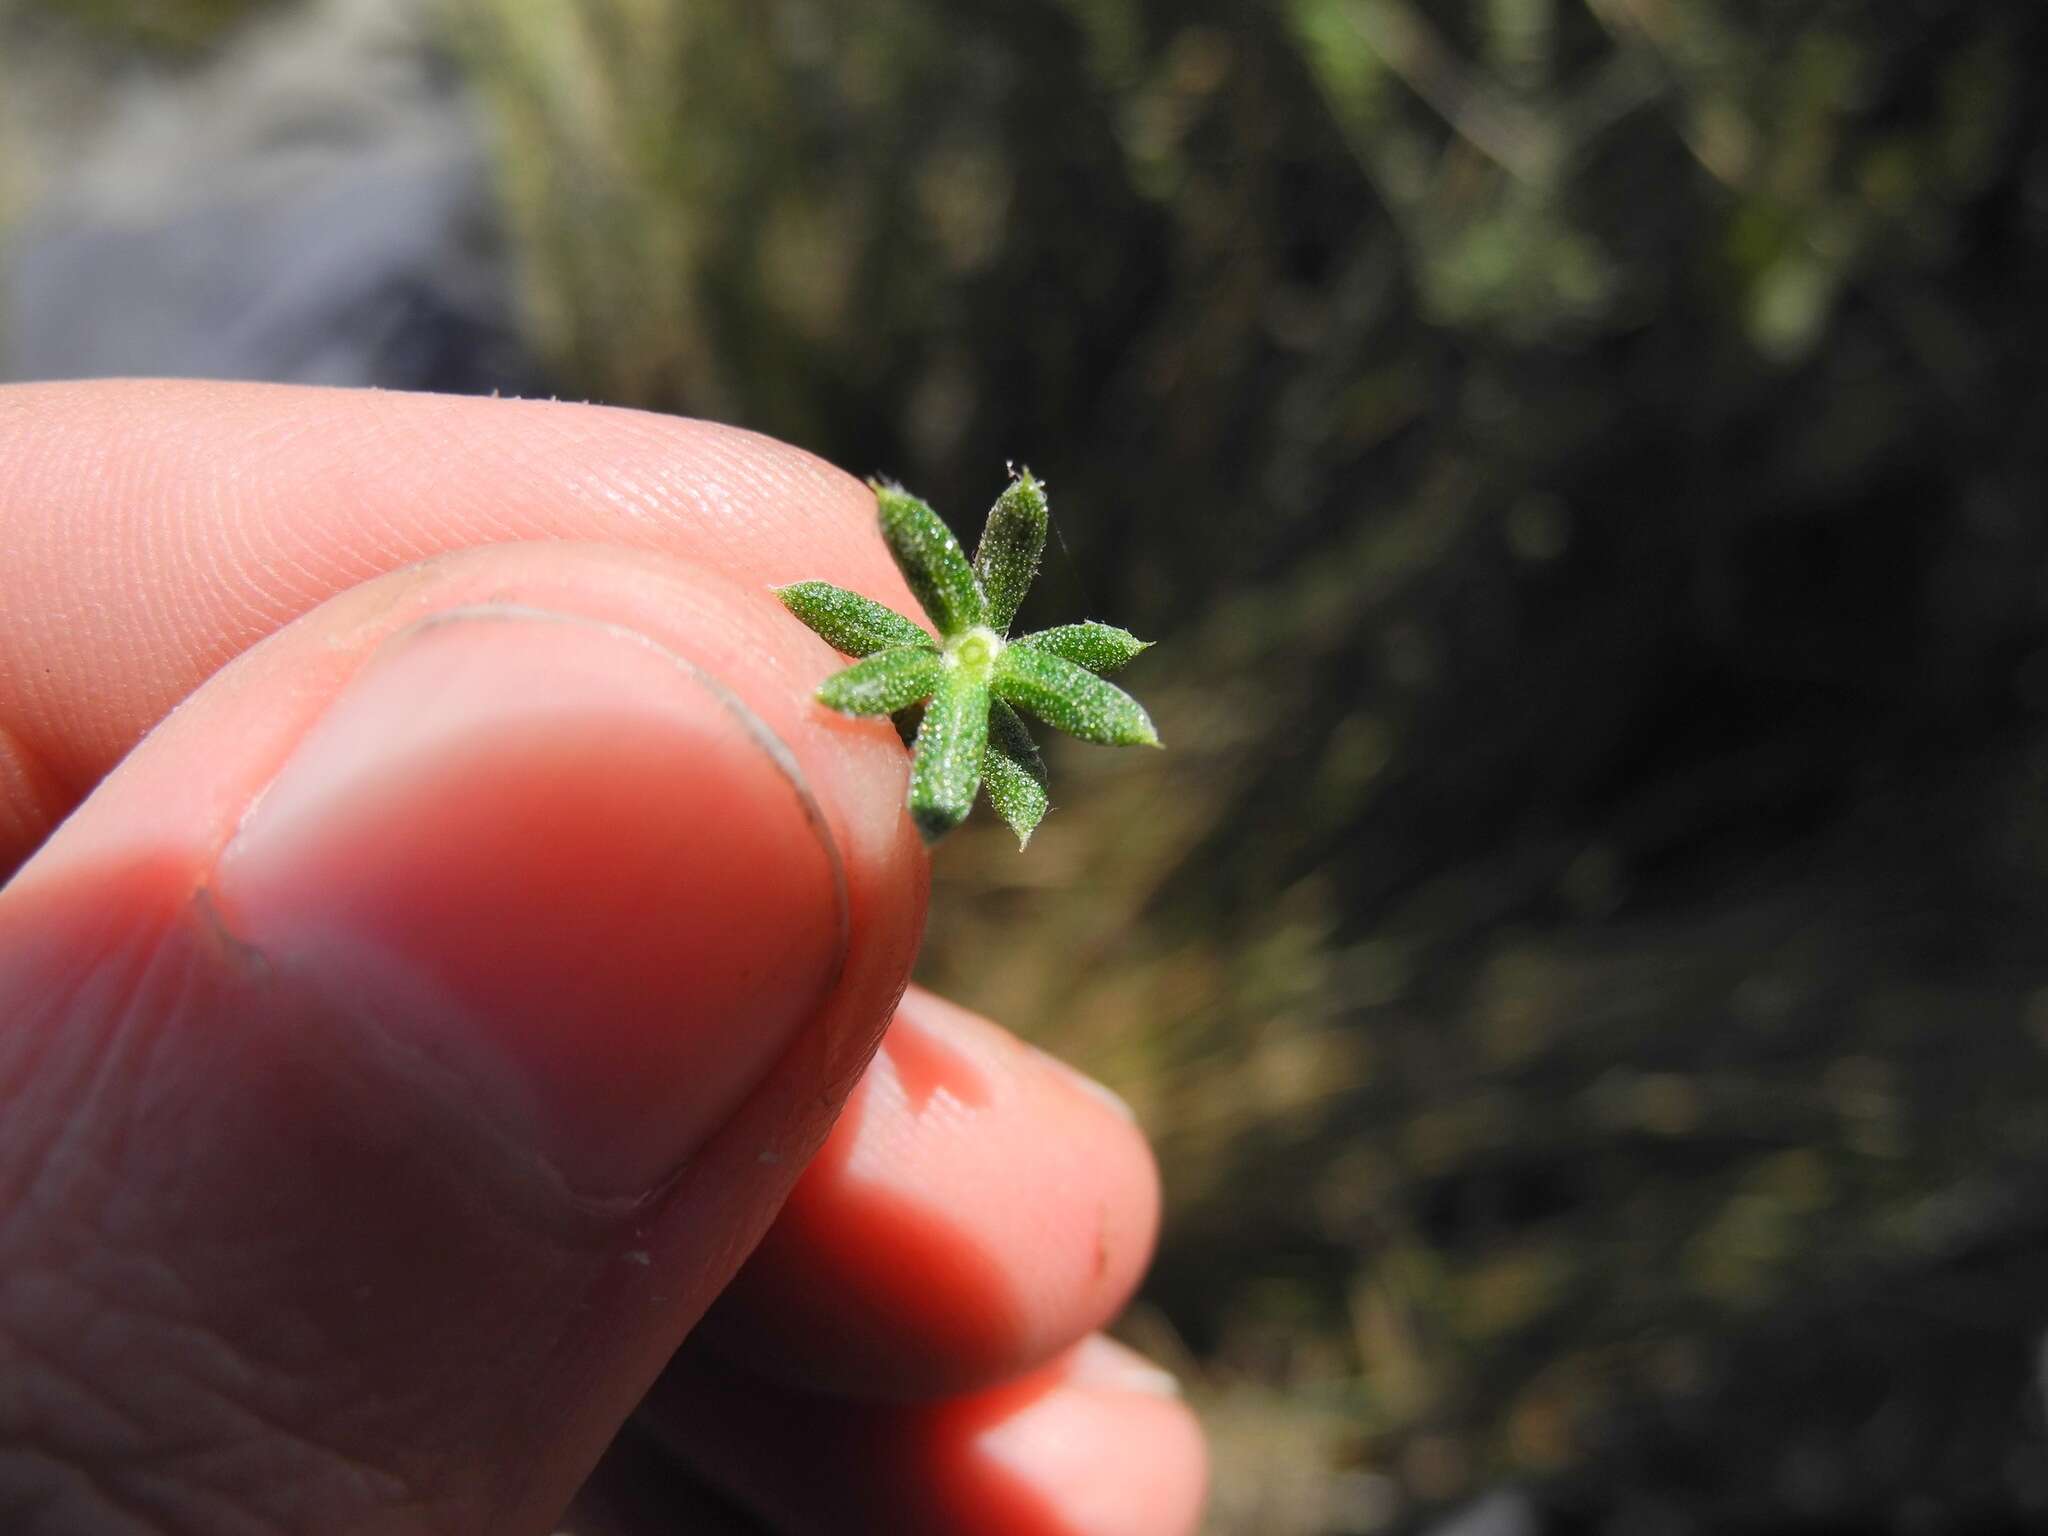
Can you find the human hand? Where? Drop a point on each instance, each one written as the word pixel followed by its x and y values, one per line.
pixel 404 1042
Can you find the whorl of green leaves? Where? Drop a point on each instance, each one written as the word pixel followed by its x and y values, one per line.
pixel 953 697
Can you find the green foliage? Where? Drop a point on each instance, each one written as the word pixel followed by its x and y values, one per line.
pixel 1101 648
pixel 931 561
pixel 885 682
pixel 946 759
pixel 1015 773
pixel 972 681
pixel 855 625
pixel 1072 698
pixel 1006 559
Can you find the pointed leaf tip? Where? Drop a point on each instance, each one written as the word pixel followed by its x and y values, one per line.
pixel 1013 773
pixel 931 560
pixel 1012 543
pixel 1072 699
pixel 846 621
pixel 1101 648
pixel 946 761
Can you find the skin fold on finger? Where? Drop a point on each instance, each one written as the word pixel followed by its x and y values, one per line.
pixel 330 1215
pixel 1093 1444
pixel 638 1490
pixel 157 529
pixel 978 1208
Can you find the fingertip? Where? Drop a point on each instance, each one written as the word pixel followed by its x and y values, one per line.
pixel 1090 1445
pixel 978 1208
pixel 1112 1451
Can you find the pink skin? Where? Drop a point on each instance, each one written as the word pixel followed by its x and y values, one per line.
pixel 406 1041
pixel 930 1285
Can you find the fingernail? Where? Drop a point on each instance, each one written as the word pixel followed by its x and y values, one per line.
pixel 1102 1362
pixel 564 864
pixel 1101 1092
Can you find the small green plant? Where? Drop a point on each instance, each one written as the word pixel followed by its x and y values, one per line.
pixel 956 698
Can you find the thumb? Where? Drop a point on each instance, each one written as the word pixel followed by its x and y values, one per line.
pixel 407 1042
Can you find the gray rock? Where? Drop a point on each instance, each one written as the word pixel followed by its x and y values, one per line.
pixel 1503 1512
pixel 314 206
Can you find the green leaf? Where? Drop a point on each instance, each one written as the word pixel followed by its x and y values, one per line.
pixel 930 559
pixel 1098 647
pixel 884 683
pixel 848 622
pixel 1072 698
pixel 1006 560
pixel 1008 733
pixel 945 767
pixel 1013 772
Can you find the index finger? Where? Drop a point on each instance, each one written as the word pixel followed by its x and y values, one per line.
pixel 154 530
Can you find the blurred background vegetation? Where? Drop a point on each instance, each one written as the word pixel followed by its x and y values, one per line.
pixel 1585 958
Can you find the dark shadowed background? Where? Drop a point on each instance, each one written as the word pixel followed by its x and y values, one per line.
pixel 1584 959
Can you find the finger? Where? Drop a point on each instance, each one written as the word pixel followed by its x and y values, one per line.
pixel 406 1041
pixel 977 1209
pixel 1095 1444
pixel 638 1490
pixel 156 529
